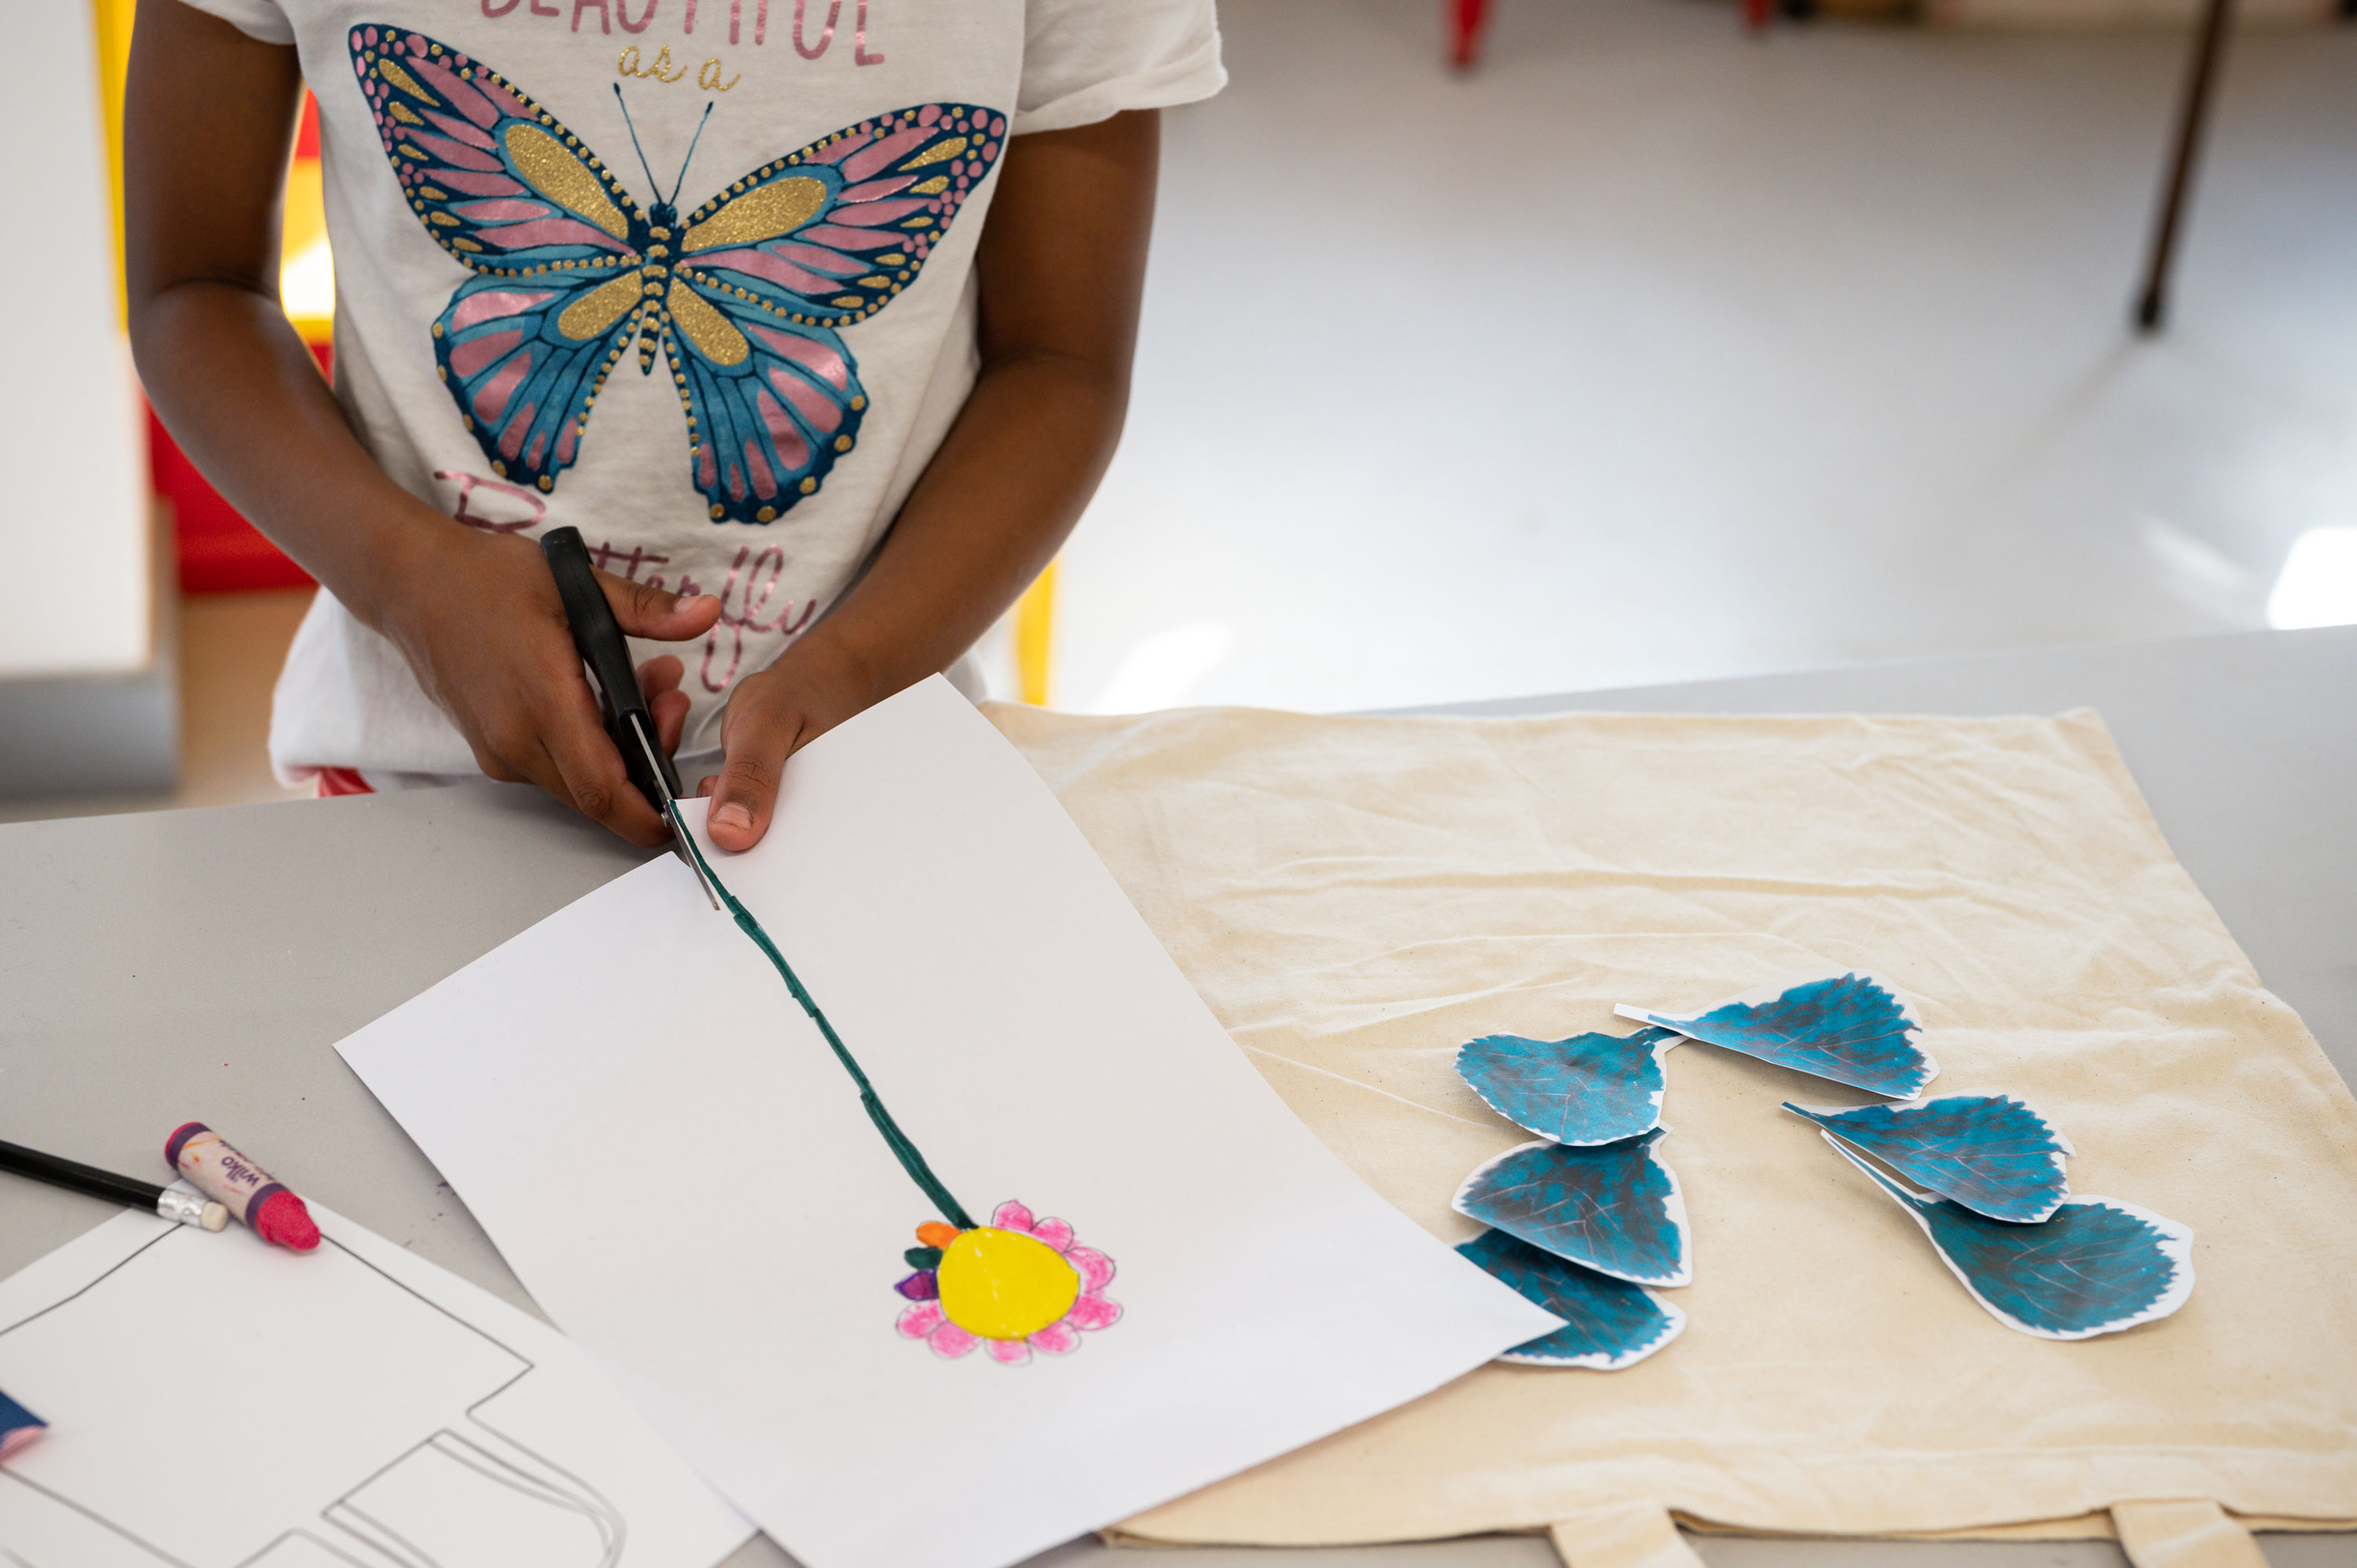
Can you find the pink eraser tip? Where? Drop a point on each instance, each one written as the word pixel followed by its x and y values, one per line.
pixel 10 1441
pixel 282 1219
pixel 181 1134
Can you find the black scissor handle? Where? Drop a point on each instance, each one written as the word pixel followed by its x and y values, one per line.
pixel 602 648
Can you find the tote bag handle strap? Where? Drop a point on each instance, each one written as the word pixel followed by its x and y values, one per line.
pixel 1622 1535
pixel 2183 1534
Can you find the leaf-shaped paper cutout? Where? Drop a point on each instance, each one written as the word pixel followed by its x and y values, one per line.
pixel 1988 1152
pixel 1849 1027
pixel 2098 1266
pixel 1608 1324
pixel 1614 1208
pixel 1590 1089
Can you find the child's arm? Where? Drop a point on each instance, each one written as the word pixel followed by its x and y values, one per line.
pixel 208 122
pixel 1062 264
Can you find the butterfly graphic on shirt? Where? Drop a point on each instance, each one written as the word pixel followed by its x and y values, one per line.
pixel 745 295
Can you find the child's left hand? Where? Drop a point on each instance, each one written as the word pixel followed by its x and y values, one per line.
pixel 1062 264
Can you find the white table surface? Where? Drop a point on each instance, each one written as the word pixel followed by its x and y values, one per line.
pixel 202 963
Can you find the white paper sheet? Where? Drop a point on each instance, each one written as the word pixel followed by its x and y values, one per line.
pixel 678 1170
pixel 215 1401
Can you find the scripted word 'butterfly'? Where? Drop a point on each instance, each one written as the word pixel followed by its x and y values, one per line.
pixel 743 295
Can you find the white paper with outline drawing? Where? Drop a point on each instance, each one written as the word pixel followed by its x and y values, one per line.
pixel 1228 1290
pixel 215 1401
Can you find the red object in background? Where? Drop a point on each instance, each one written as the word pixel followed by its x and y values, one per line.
pixel 1465 19
pixel 306 132
pixel 221 553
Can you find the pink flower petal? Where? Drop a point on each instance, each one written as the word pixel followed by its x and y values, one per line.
pixel 1056 1339
pixel 1012 1215
pixel 1055 1232
pixel 1093 1311
pixel 1096 1269
pixel 1008 1352
pixel 951 1340
pixel 920 1320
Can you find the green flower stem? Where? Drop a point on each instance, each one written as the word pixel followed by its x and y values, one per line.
pixel 894 1139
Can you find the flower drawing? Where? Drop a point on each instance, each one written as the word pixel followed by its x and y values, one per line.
pixel 1015 1286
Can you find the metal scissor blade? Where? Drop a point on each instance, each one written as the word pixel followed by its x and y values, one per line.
pixel 669 806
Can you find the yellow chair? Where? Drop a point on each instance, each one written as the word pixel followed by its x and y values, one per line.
pixel 1035 629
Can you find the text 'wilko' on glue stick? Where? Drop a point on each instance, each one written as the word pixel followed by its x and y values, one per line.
pixel 249 1193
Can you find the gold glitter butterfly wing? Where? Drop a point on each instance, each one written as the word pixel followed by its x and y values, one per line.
pixel 557 246
pixel 769 269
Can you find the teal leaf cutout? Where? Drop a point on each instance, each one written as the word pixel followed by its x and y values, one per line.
pixel 1847 1027
pixel 2098 1266
pixel 1590 1089
pixel 1991 1153
pixel 1608 1324
pixel 1615 1208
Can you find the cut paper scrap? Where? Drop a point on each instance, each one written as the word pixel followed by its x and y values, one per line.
pixel 1989 1152
pixel 1608 1324
pixel 1615 1208
pixel 1590 1089
pixel 1847 1027
pixel 2098 1266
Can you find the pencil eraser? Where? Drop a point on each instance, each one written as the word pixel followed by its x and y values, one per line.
pixel 282 1219
pixel 214 1217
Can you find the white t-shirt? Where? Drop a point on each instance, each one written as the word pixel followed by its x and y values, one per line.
pixel 693 277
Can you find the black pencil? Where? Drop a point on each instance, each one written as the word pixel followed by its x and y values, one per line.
pixel 187 1207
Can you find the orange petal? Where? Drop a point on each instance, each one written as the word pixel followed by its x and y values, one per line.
pixel 934 1233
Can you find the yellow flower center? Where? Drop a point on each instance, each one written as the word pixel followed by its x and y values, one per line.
pixel 1003 1286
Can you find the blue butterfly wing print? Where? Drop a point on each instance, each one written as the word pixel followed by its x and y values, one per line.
pixel 1590 1089
pixel 2097 1266
pixel 1615 1208
pixel 1991 1153
pixel 767 271
pixel 1846 1026
pixel 1608 1324
pixel 557 246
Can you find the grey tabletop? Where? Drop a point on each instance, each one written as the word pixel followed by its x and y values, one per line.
pixel 202 964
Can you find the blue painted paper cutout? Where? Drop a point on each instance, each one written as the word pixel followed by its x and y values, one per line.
pixel 1848 1026
pixel 1608 1324
pixel 1615 1208
pixel 1590 1089
pixel 1991 1153
pixel 2098 1266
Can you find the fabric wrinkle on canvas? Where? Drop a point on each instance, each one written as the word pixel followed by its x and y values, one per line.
pixel 1357 897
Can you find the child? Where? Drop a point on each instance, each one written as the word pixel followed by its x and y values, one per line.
pixel 709 280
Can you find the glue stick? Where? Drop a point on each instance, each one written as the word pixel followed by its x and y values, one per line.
pixel 249 1193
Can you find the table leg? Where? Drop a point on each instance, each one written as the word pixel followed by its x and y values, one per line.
pixel 2201 73
pixel 1465 19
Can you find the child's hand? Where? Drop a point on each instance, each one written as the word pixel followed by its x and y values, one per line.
pixel 772 714
pixel 479 620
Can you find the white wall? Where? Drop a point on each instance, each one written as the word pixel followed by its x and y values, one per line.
pixel 74 506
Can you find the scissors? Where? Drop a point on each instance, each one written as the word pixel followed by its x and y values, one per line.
pixel 629 724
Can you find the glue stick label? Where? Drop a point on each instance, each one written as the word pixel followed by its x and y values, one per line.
pixel 220 1172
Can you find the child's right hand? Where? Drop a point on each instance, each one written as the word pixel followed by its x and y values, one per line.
pixel 478 618
pixel 208 115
